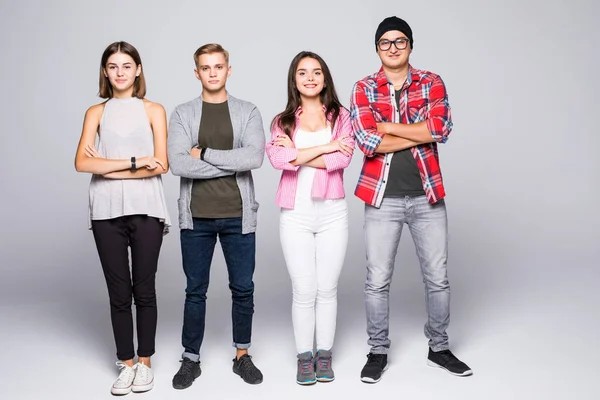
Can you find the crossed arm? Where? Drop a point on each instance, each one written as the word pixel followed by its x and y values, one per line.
pixel 386 137
pixel 336 154
pixel 87 158
pixel 185 157
pixel 315 156
pixel 393 139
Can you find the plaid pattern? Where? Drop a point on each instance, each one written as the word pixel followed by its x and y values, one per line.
pixel 423 98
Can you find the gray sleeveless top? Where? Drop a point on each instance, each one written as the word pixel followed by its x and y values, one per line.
pixel 125 132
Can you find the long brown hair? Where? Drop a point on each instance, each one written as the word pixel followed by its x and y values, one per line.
pixel 286 120
pixel 139 86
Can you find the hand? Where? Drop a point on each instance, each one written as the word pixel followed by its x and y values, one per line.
pixel 339 145
pixel 195 152
pixel 150 163
pixel 382 127
pixel 284 140
pixel 90 151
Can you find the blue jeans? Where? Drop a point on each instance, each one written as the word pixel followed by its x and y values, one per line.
pixel 429 229
pixel 197 248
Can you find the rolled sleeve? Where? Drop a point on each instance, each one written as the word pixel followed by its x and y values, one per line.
pixel 279 156
pixel 439 119
pixel 363 122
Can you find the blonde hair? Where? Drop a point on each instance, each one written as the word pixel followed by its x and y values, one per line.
pixel 210 49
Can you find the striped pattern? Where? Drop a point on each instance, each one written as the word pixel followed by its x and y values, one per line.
pixel 329 181
pixel 423 99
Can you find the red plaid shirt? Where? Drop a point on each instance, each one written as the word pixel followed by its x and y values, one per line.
pixel 423 98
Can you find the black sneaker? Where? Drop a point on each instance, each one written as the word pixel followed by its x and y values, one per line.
pixel 448 361
pixel 373 369
pixel 188 371
pixel 245 368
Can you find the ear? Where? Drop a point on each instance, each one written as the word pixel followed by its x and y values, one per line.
pixel 229 71
pixel 138 71
pixel 197 73
pixel 104 72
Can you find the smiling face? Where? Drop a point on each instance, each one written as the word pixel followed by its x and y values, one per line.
pixel 309 78
pixel 394 49
pixel 121 71
pixel 213 71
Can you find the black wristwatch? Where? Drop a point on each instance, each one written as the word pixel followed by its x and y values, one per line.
pixel 202 153
pixel 133 167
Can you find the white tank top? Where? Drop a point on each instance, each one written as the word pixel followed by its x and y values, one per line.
pixel 306 174
pixel 125 132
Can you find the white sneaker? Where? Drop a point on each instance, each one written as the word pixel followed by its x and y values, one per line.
pixel 124 382
pixel 144 378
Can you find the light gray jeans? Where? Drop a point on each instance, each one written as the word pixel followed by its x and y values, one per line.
pixel 428 225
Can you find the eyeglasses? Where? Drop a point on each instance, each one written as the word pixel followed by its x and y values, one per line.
pixel 385 45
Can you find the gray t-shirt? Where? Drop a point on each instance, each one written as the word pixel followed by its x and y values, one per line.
pixel 404 178
pixel 216 197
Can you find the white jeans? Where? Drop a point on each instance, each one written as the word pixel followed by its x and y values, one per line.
pixel 313 237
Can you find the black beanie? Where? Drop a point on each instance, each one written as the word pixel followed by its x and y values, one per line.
pixel 393 24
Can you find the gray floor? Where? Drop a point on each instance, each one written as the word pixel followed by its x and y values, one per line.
pixel 533 338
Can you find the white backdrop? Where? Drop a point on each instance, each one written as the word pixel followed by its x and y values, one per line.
pixel 520 168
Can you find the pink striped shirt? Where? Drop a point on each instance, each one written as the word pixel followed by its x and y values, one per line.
pixel 328 182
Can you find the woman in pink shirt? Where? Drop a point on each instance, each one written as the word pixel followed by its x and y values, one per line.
pixel 312 142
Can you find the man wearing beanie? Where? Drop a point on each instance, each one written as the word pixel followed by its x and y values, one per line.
pixel 399 115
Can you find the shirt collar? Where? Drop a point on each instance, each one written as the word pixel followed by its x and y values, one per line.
pixel 413 76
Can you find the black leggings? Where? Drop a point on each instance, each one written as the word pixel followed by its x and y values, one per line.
pixel 144 235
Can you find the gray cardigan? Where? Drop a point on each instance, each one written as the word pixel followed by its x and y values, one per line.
pixel 247 154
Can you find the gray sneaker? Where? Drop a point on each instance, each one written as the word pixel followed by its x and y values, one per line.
pixel 306 369
pixel 324 371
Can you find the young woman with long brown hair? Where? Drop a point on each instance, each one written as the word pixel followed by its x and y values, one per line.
pixel 127 204
pixel 312 142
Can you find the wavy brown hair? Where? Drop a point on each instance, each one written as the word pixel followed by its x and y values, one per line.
pixel 286 120
pixel 139 86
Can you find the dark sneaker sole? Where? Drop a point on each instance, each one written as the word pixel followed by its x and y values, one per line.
pixel 435 365
pixel 368 379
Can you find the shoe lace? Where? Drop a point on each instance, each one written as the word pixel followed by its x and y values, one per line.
pixel 125 371
pixel 306 365
pixel 447 356
pixel 141 370
pixel 186 366
pixel 324 362
pixel 375 358
pixel 247 365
